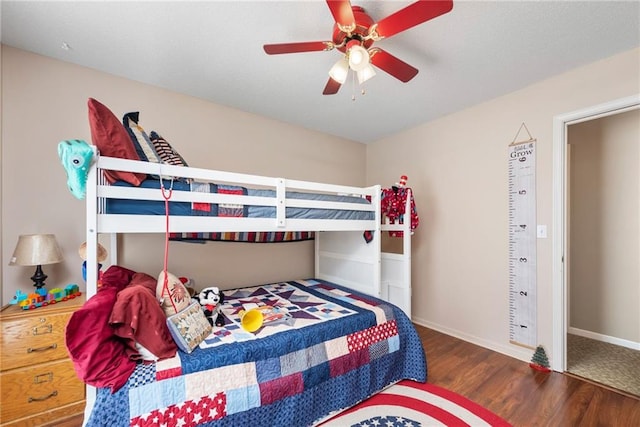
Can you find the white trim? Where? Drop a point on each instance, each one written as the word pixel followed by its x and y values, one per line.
pixel 604 338
pixel 517 352
pixel 559 292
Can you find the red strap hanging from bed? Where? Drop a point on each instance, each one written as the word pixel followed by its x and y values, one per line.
pixel 165 285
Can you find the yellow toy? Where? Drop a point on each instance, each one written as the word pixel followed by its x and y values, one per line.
pixel 254 316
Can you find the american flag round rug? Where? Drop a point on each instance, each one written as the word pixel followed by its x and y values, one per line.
pixel 413 404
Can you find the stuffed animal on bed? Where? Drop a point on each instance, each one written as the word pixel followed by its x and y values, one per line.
pixel 211 299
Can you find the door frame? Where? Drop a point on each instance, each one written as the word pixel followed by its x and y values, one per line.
pixel 559 241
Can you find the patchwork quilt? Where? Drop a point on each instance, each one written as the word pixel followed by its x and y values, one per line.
pixel 330 349
pixel 232 210
pixel 221 209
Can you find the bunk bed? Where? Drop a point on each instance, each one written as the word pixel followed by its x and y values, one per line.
pixel 330 365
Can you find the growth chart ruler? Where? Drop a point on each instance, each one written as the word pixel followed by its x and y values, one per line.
pixel 522 243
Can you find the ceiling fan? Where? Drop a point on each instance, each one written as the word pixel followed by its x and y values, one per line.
pixel 354 33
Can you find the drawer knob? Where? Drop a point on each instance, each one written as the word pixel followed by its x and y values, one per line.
pixel 43 378
pixel 50 347
pixel 40 399
pixel 44 329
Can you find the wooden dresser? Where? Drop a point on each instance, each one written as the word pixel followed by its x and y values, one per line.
pixel 38 384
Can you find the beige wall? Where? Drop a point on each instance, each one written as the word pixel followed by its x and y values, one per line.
pixel 604 256
pixel 457 166
pixel 44 101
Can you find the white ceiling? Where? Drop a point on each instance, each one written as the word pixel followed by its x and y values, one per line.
pixel 213 50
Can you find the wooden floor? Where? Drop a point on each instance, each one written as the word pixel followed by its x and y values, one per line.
pixel 511 389
pixel 519 394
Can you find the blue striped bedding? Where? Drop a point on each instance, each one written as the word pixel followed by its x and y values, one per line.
pixel 147 207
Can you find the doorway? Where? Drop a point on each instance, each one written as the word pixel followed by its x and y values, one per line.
pixel 603 251
pixel 561 235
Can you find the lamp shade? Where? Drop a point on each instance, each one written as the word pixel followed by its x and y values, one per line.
pixel 366 73
pixel 358 58
pixel 36 249
pixel 340 70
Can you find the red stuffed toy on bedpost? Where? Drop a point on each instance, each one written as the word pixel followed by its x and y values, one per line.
pixel 393 204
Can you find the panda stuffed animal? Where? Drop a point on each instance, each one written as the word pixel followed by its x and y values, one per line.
pixel 211 299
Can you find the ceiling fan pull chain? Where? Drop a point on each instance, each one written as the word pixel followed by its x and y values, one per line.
pixel 353 86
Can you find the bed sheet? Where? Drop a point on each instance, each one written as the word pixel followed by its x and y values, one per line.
pixel 147 207
pixel 334 349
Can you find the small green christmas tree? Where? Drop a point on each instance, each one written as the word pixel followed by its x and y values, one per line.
pixel 540 361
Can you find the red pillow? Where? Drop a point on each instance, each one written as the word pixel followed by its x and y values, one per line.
pixel 112 139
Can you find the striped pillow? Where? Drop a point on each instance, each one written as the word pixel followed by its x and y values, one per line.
pixel 165 151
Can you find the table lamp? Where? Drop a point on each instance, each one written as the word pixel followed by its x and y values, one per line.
pixel 38 250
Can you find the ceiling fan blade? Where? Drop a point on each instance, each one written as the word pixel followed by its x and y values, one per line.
pixel 276 49
pixel 332 87
pixel 342 12
pixel 392 65
pixel 412 15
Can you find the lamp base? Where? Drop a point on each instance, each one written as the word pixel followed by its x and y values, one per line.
pixel 39 277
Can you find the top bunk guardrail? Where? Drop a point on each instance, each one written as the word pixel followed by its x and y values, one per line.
pixel 264 203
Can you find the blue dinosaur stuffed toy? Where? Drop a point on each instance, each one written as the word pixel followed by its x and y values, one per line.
pixel 76 156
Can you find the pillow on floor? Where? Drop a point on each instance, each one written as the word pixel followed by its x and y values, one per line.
pixel 112 139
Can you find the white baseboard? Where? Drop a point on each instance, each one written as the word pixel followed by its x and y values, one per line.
pixel 604 338
pixel 510 350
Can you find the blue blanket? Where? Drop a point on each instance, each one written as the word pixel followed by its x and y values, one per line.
pixel 334 349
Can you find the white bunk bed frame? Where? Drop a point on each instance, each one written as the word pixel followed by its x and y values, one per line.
pixel 341 253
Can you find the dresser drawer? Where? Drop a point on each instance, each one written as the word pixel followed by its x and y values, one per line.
pixel 38 389
pixel 32 339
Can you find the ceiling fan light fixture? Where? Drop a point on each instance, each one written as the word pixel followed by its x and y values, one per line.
pixel 354 33
pixel 365 74
pixel 340 70
pixel 358 58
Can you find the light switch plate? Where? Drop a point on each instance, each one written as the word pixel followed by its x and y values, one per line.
pixel 542 232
